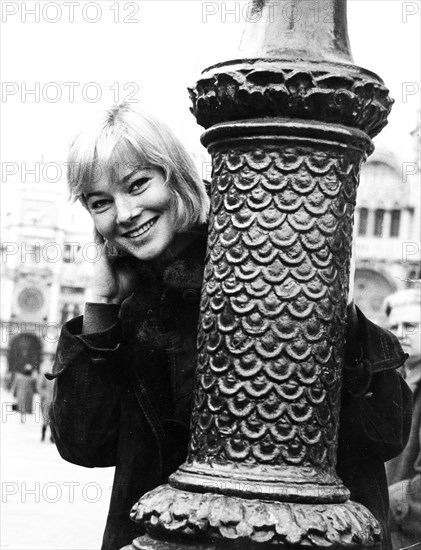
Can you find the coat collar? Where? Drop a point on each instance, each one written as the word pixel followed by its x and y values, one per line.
pixel 379 346
pixel 185 270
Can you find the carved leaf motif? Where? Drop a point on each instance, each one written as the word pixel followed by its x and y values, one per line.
pixel 246 181
pixel 214 517
pixel 258 387
pixel 255 237
pixel 255 324
pixel 270 218
pixel 288 201
pixel 273 181
pixel 253 429
pixel 258 160
pixel 284 237
pixel 304 272
pixel 226 424
pixel 283 431
pixel 219 363
pixel 237 448
pixel 259 199
pixel 247 365
pixel 221 221
pixel 242 219
pixel 222 270
pixel 301 221
pixel 217 302
pixel 238 254
pixel 246 272
pixel 275 273
pixel 357 100
pixel 234 160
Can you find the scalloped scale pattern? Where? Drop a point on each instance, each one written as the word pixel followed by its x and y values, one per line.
pixel 273 309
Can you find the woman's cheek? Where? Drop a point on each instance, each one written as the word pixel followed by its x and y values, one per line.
pixel 158 199
pixel 102 225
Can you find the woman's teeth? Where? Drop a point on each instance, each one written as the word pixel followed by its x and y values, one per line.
pixel 140 230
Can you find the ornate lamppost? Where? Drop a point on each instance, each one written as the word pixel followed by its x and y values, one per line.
pixel 288 128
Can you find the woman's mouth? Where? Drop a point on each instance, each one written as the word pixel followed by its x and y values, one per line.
pixel 141 229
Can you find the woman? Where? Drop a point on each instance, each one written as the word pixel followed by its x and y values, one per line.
pixel 125 369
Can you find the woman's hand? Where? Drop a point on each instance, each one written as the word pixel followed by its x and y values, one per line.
pixel 114 274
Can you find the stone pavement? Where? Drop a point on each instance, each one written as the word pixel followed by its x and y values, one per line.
pixel 46 503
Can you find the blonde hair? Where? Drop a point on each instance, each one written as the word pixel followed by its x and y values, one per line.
pixel 125 136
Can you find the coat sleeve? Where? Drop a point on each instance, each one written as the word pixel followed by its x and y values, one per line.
pixel 85 411
pixel 405 504
pixel 383 416
pixel 376 401
pixel 405 473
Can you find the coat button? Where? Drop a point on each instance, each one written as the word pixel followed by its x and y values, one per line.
pixel 191 296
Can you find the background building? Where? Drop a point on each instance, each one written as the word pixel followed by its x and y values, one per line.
pixel 43 272
pixel 387 229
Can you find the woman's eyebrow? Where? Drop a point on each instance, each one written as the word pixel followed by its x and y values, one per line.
pixel 135 171
pixel 93 194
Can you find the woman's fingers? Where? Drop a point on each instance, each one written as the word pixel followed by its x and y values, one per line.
pixel 98 238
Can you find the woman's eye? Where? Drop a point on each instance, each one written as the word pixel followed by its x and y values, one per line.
pixel 99 204
pixel 138 184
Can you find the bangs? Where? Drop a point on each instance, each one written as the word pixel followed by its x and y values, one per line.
pixel 121 158
pixel 111 154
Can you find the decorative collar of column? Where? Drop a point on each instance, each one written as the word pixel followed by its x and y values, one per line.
pixel 295 63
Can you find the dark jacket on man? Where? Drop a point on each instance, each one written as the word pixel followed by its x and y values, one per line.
pixel 123 395
pixel 404 477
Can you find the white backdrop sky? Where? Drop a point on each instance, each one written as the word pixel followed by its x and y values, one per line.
pixel 162 53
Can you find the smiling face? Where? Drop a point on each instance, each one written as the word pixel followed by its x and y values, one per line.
pixel 134 211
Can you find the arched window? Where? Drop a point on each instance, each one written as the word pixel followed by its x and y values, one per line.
pixel 378 222
pixel 362 224
pixel 395 223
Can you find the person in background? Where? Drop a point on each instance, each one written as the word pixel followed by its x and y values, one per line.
pixel 24 388
pixel 404 472
pixel 45 389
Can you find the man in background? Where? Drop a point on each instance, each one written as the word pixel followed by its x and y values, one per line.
pixel 404 472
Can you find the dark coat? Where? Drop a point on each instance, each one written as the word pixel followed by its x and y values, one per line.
pixel 404 478
pixel 24 388
pixel 123 396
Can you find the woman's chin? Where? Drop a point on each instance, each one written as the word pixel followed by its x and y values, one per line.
pixel 145 253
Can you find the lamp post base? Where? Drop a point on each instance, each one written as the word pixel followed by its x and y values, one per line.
pixel 146 543
pixel 206 521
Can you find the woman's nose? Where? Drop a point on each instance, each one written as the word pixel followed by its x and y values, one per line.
pixel 125 210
